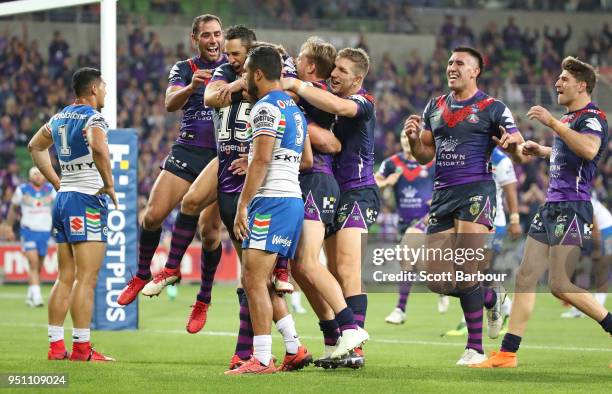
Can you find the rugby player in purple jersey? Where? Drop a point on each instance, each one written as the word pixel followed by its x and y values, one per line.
pixel 564 224
pixel 460 130
pixel 193 150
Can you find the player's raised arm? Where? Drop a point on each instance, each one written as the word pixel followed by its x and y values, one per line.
pixel 421 140
pixel 96 137
pixel 584 143
pixel 321 99
pixel 39 150
pixel 179 90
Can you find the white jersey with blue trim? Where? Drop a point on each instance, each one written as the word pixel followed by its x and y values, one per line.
pixel 503 174
pixel 68 129
pixel 601 214
pixel 276 115
pixel 36 204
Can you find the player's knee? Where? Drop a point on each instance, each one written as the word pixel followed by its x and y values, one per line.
pixel 558 286
pixel 66 278
pixel 190 205
pixel 152 219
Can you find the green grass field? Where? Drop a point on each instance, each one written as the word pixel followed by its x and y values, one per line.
pixel 557 354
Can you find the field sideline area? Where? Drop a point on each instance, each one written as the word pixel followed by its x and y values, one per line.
pixel 557 355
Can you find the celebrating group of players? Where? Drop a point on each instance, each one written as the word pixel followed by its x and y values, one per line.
pixel 308 131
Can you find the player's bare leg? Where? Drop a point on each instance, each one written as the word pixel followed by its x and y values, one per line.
pixel 535 262
pixel 562 287
pixel 210 256
pixel 257 270
pixel 88 258
pixel 59 301
pixel 35 264
pixel 195 197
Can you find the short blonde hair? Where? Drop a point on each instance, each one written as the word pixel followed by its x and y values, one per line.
pixel 359 57
pixel 322 54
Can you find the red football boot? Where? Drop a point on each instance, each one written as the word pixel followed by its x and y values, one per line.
pixel 57 351
pixel 131 290
pixel 197 317
pixel 84 352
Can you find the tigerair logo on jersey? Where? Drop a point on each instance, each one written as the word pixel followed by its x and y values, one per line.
pixel 259 231
pixel 94 225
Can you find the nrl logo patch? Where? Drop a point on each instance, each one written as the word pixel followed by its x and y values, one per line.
pixel 475 208
pixel 559 228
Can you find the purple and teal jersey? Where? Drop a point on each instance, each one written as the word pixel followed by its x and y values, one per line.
pixel 463 132
pixel 197 127
pixel 322 162
pixel 354 166
pixel 414 188
pixel 231 125
pixel 571 175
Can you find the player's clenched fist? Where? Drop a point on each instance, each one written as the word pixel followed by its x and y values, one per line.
pixel 530 148
pixel 412 127
pixel 200 77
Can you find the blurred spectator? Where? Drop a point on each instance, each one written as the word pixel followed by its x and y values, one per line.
pixel 512 35
pixel 559 40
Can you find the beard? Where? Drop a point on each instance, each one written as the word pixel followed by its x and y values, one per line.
pixel 252 88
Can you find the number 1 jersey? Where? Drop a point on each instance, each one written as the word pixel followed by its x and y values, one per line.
pixel 68 130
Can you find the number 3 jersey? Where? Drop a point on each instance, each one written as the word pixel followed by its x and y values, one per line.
pixel 68 130
pixel 276 115
pixel 231 133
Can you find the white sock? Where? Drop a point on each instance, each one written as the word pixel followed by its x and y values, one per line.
pixel 29 292
pixel 56 333
pixel 286 326
pixel 507 306
pixel 296 299
pixel 80 335
pixel 601 298
pixel 262 348
pixel 36 294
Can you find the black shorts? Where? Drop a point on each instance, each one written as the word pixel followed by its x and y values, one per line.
pixel 563 223
pixel 358 208
pixel 228 205
pixel 321 194
pixel 186 161
pixel 472 202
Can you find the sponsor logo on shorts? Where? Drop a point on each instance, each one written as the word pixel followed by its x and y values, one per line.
pixel 588 229
pixel 328 203
pixel 475 208
pixel 77 225
pixel 559 229
pixel 280 240
pixel 94 227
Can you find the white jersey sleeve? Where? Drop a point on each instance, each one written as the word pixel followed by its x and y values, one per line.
pixel 17 196
pixel 503 175
pixel 601 214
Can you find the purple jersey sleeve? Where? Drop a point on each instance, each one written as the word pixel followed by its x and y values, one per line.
pixel 178 75
pixel 221 74
pixel 426 114
pixel 289 70
pixel 591 123
pixel 386 168
pixel 502 116
pixel 365 107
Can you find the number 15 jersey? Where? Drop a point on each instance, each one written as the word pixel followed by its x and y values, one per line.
pixel 231 133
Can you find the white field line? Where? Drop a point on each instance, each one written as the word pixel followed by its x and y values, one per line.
pixel 310 337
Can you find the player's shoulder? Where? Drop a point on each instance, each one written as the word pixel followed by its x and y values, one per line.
pixel 224 71
pixel 363 97
pixel 265 111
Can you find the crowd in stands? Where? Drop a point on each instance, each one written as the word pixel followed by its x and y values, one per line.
pixel 521 68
